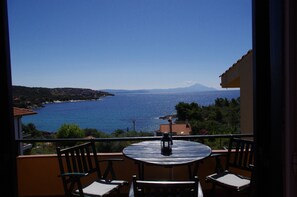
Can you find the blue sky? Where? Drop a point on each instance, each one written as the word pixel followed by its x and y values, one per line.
pixel 126 44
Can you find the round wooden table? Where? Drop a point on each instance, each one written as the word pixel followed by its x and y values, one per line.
pixel 183 153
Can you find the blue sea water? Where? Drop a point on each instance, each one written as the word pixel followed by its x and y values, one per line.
pixel 119 111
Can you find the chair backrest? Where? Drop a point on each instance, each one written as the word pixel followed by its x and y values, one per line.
pixel 77 159
pixel 165 188
pixel 242 151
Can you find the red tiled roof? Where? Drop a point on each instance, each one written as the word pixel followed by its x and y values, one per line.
pixel 179 129
pixel 22 112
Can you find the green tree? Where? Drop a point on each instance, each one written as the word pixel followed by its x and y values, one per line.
pixel 95 133
pixel 118 133
pixel 223 117
pixel 70 131
pixel 30 129
pixel 186 111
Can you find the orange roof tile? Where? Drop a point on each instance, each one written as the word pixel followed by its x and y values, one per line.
pixel 179 129
pixel 22 112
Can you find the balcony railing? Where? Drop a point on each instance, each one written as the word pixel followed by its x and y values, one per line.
pixel 187 137
pixel 38 174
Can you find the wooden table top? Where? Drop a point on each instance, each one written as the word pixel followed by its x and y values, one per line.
pixel 183 152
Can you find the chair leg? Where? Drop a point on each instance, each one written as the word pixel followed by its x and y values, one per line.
pixel 213 190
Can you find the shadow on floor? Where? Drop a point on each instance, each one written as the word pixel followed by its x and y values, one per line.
pixel 224 193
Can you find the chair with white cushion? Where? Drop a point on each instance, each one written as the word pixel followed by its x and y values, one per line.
pixel 240 158
pixel 162 188
pixel 81 175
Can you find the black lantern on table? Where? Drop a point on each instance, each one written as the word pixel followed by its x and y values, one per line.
pixel 166 144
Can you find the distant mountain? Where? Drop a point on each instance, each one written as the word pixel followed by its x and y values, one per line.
pixel 122 91
pixel 193 88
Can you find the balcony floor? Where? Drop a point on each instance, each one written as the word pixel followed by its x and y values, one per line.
pixel 219 193
pixel 206 194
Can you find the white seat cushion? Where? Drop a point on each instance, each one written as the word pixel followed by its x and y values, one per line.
pixel 231 180
pixel 100 188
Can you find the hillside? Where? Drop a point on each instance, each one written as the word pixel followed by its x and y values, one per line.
pixel 32 97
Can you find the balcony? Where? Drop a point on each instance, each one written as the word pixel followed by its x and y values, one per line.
pixel 38 174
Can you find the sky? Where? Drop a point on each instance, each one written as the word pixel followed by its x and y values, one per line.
pixel 126 44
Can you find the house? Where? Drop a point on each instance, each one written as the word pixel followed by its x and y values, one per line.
pixel 240 75
pixel 177 129
pixel 18 113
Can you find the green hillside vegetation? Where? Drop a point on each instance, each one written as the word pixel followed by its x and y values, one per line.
pixel 32 97
pixel 74 131
pixel 223 117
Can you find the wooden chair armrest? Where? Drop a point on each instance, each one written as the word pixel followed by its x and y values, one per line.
pixel 111 160
pixel 217 156
pixel 74 174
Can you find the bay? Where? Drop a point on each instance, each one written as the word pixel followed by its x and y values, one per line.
pixel 120 111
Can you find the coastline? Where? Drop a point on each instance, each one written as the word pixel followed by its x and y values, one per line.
pixel 119 112
pixel 35 97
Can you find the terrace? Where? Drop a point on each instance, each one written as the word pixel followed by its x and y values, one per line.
pixel 38 174
pixel 274 88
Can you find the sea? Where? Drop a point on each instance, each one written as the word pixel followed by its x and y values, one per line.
pixel 126 111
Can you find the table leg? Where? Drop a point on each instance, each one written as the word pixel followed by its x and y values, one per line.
pixel 171 173
pixel 190 170
pixel 195 169
pixel 140 170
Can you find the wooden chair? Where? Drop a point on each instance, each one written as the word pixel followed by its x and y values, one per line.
pixel 141 188
pixel 79 163
pixel 240 156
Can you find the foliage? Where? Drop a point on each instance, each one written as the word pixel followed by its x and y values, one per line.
pixel 69 131
pixel 223 117
pixel 95 133
pixel 30 130
pixel 74 131
pixel 31 97
pixel 220 118
pixel 42 148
